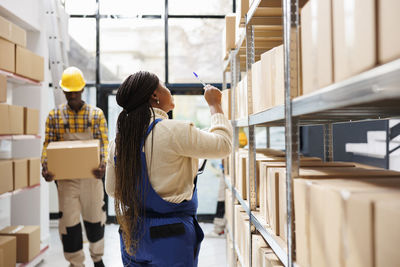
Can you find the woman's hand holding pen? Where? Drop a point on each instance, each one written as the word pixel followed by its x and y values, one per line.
pixel 213 97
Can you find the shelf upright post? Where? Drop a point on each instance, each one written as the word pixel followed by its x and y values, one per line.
pixel 251 177
pixel 268 136
pixel 235 71
pixel 291 26
pixel 328 142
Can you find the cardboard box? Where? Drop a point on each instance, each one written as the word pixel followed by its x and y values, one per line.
pixel 229 250
pixel 228 35
pixel 320 214
pixel 11 32
pixel 270 259
pixel 267 79
pixel 279 77
pixel 31 121
pixel 8 247
pixel 6 176
pixel 278 170
pixel 316 45
pixel 84 155
pixel 354 37
pixel 7 55
pixel 34 171
pixel 3 89
pixel 361 214
pixel 389 39
pixel 16 114
pixel 20 173
pixel 242 7
pixel 4 119
pixel 28 241
pixel 387 234
pixel 18 35
pixel 28 64
pixel 258 95
pixel 228 210
pixel 226 103
pixel 258 243
pixel 241 98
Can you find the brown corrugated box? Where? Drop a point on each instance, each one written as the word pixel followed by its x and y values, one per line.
pixel 7 55
pixel 319 211
pixel 258 95
pixel 279 78
pixel 8 245
pixel 20 173
pixel 12 32
pixel 316 45
pixel 16 114
pixel 354 37
pixel 3 88
pixel 389 38
pixel 28 241
pixel 361 215
pixel 4 119
pixel 270 259
pixel 28 64
pixel 83 156
pixel 6 176
pixel 228 35
pixel 258 243
pixel 226 103
pixel 387 233
pixel 33 171
pixel 31 121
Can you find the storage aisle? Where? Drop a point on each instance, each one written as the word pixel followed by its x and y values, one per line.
pixel 212 253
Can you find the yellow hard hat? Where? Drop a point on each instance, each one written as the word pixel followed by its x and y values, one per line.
pixel 72 80
pixel 242 138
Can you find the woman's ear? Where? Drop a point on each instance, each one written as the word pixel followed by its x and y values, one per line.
pixel 154 97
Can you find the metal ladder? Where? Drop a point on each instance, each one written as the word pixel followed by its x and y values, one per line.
pixel 57 37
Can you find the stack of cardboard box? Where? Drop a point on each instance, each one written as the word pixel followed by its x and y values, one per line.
pixel 342 38
pixel 18 120
pixel 20 243
pixel 14 57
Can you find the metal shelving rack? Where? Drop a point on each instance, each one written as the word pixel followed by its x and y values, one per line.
pixel 371 95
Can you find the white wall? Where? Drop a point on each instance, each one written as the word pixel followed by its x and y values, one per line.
pixel 31 206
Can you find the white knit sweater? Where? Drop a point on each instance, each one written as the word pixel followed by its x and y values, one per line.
pixel 178 146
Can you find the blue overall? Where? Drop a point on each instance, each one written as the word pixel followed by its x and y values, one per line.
pixel 171 234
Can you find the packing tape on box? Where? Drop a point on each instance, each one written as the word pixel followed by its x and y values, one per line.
pixel 16 230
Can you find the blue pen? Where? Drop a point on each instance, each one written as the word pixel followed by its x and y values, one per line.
pixel 199 79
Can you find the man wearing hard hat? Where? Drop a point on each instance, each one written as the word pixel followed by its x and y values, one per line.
pixel 77 120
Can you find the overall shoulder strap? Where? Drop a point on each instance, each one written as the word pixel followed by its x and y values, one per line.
pixel 151 127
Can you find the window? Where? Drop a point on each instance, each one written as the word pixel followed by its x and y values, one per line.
pixel 82 43
pixel 125 51
pixel 204 7
pixel 132 8
pixel 195 45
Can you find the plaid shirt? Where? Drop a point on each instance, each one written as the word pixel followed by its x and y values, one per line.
pixel 78 123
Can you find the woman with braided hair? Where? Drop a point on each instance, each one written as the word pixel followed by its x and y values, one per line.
pixel 152 172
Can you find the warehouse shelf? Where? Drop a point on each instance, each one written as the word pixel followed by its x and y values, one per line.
pixel 17 79
pixel 38 259
pixel 9 194
pixel 276 244
pixel 373 94
pixel 19 137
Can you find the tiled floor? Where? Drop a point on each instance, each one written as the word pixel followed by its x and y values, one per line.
pixel 212 253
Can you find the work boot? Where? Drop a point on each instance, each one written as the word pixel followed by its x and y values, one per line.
pixel 99 264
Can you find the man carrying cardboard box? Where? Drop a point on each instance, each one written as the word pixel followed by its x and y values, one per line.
pixel 77 120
